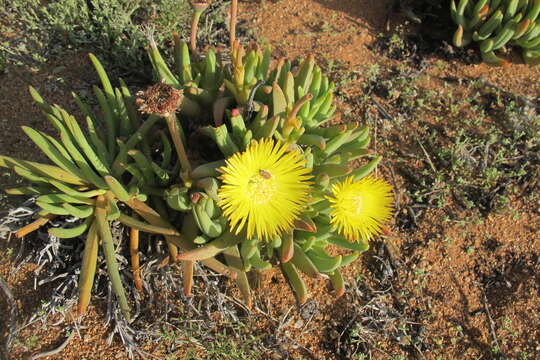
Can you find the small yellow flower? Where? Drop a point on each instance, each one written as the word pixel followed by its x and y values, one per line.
pixel 360 207
pixel 265 188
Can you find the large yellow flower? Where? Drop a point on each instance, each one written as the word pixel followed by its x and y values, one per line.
pixel 360 207
pixel 265 187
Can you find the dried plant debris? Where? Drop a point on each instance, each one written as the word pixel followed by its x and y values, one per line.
pixel 11 322
pixel 161 308
pixel 159 99
pixel 378 316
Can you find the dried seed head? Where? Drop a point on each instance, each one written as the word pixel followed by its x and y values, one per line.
pixel 159 99
pixel 200 5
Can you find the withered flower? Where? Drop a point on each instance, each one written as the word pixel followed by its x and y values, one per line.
pixel 159 99
pixel 200 5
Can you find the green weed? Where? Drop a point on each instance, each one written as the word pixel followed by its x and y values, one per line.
pixel 3 62
pixel 114 30
pixel 479 154
pixel 232 342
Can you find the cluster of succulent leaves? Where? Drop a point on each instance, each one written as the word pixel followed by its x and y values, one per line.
pixel 498 23
pixel 125 168
pixel 249 101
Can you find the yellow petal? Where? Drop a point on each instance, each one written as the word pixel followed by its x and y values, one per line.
pixel 360 208
pixel 264 188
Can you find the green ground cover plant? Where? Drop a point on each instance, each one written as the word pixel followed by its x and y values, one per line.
pixel 114 30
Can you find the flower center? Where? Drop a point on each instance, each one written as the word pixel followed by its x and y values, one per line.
pixel 261 187
pixel 351 204
pixel 357 204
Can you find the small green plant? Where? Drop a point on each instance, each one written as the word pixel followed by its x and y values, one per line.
pixel 3 62
pixel 31 342
pixel 112 29
pixel 262 183
pixel 497 23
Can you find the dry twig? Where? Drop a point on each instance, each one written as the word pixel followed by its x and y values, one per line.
pixel 56 350
pixel 12 322
pixel 490 320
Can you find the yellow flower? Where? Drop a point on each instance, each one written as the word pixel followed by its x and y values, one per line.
pixel 265 188
pixel 359 208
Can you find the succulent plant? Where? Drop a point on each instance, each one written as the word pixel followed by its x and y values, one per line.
pixel 498 23
pixel 241 107
pixel 100 176
pixel 235 163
